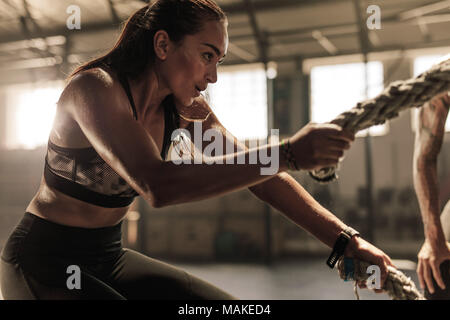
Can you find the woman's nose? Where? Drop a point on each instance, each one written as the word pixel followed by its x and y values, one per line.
pixel 212 75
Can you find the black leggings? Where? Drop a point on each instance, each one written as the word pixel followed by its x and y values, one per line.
pixel 42 260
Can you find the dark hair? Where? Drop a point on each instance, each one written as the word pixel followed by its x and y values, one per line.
pixel 134 50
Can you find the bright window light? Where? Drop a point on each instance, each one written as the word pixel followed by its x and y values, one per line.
pixel 421 64
pixel 30 114
pixel 239 99
pixel 338 88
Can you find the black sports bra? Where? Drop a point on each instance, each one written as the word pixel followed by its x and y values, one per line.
pixel 82 174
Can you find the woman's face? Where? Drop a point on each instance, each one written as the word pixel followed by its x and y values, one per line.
pixel 192 65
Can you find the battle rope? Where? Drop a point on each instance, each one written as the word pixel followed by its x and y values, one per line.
pixel 397 285
pixel 398 96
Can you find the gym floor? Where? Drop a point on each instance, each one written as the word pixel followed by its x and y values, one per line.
pixel 305 279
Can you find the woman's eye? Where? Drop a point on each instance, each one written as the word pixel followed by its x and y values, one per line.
pixel 208 56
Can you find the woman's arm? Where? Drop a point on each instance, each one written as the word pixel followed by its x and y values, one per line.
pixel 429 137
pixel 281 191
pixel 99 106
pixel 286 195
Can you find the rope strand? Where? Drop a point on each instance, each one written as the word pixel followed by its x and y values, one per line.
pixel 398 96
pixel 397 285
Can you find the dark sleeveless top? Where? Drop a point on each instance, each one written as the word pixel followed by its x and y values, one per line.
pixel 82 174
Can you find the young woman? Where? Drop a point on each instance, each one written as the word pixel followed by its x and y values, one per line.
pixel 109 144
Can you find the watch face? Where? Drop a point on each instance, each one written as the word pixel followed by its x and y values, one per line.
pixel 342 242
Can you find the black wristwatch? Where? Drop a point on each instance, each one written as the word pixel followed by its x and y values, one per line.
pixel 340 245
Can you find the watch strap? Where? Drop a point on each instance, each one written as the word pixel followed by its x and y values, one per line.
pixel 340 245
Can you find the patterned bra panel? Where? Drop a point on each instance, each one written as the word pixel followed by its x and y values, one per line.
pixel 81 172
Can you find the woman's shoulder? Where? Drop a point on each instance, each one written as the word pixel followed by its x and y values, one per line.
pixel 97 78
pixel 97 84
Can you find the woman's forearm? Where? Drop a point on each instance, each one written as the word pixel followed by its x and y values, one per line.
pixel 186 182
pixel 285 194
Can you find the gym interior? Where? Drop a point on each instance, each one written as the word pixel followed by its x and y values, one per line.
pixel 296 61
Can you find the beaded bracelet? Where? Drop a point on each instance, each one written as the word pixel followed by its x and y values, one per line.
pixel 288 155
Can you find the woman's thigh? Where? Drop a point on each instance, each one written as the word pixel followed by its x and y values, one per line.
pixel 17 284
pixel 137 276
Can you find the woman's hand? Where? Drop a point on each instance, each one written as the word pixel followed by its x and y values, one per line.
pixel 430 259
pixel 362 250
pixel 317 146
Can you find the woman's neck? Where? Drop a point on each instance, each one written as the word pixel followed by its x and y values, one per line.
pixel 148 91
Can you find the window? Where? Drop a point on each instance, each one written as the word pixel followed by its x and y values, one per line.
pixel 239 99
pixel 338 88
pixel 30 111
pixel 422 64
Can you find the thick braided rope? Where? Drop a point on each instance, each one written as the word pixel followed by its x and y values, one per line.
pixel 397 285
pixel 398 96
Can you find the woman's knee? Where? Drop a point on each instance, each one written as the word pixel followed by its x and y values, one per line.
pixel 142 277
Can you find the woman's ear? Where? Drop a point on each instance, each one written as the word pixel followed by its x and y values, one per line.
pixel 161 42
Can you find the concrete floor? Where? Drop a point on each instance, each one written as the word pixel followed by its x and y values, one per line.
pixel 301 279
pixel 305 279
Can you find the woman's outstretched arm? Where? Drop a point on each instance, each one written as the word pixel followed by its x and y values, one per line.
pixel 285 194
pixel 100 108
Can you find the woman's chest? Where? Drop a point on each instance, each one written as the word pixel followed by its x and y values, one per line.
pixel 162 130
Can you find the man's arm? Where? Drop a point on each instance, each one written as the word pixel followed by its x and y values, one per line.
pixel 428 142
pixel 429 137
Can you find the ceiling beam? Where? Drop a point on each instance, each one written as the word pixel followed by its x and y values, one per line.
pixel 424 29
pixel 296 56
pixel 421 11
pixel 258 6
pixel 324 42
pixel 40 49
pixel 345 28
pixel 61 31
pixel 260 37
pixel 330 31
pixel 28 16
pixel 9 4
pixel 114 15
pixel 437 18
pixel 241 53
pixel 362 29
pixel 267 5
pixel 238 7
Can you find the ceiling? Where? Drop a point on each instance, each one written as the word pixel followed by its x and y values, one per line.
pixel 34 35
